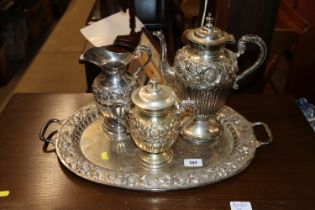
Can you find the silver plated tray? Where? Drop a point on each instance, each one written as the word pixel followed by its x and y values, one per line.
pixel 85 149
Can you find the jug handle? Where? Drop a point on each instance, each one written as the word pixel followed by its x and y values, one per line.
pixel 120 105
pixel 141 49
pixel 241 45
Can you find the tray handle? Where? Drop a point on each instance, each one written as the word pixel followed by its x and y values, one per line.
pixel 43 130
pixel 268 131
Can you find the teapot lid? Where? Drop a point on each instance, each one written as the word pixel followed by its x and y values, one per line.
pixel 208 34
pixel 154 96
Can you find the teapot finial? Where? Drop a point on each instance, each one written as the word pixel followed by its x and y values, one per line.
pixel 209 21
pixel 208 34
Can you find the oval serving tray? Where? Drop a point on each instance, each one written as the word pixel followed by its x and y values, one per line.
pixel 83 148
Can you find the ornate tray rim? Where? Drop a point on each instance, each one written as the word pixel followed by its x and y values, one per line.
pixel 241 156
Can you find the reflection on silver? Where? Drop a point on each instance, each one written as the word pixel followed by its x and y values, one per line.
pixel 114 83
pixel 154 122
pixel 81 142
pixel 205 72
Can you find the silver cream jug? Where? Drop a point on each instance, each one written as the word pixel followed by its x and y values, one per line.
pixel 205 71
pixel 114 83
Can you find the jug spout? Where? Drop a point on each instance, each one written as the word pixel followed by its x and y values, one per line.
pixel 101 57
pixel 116 63
pixel 167 72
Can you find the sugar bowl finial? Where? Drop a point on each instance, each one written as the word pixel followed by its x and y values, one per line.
pixel 154 84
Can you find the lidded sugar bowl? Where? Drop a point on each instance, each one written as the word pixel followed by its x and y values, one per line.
pixel 205 72
pixel 154 122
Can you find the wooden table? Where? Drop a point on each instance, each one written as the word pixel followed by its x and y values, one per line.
pixel 281 176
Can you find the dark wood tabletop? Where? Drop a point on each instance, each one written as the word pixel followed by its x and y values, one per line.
pixel 281 175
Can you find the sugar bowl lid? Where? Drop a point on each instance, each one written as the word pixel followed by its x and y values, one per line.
pixel 154 96
pixel 208 34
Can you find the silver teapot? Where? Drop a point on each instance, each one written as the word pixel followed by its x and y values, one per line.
pixel 154 121
pixel 115 83
pixel 205 72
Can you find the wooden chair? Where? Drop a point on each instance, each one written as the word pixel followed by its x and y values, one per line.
pixel 293 47
pixel 301 76
pixel 282 42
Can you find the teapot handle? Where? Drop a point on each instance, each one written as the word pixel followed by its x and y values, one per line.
pixel 139 51
pixel 241 45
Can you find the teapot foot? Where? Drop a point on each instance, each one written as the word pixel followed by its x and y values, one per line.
pixel 201 130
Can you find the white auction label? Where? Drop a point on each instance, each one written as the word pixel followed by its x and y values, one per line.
pixel 240 205
pixel 193 162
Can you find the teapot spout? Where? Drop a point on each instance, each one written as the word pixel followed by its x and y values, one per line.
pixel 167 72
